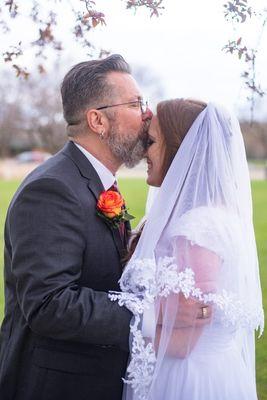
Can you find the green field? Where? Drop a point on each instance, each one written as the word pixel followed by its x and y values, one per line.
pixel 135 191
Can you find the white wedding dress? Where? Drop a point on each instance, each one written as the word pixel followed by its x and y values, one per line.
pixel 198 243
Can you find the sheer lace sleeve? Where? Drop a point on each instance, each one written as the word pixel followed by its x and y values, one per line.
pixel 204 263
pixel 206 242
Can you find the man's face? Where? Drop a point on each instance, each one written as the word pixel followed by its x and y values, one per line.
pixel 128 126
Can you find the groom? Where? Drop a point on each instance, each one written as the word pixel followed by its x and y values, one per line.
pixel 62 338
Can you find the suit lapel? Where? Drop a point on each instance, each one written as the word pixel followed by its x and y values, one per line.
pixel 117 239
pixel 94 185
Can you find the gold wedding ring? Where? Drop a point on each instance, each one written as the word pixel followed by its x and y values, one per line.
pixel 204 311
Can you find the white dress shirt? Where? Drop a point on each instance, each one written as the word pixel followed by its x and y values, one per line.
pixel 105 175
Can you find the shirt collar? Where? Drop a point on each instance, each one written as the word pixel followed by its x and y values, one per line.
pixel 105 175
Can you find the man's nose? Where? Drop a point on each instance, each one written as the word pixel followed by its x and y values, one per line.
pixel 148 114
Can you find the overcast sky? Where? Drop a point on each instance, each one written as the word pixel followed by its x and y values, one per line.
pixel 182 48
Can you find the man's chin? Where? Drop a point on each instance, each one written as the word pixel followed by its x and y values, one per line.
pixel 132 164
pixel 128 153
pixel 137 155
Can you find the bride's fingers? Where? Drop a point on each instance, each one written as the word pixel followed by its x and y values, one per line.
pixel 188 312
pixel 193 313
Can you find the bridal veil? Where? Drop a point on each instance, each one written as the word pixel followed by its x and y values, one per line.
pixel 197 244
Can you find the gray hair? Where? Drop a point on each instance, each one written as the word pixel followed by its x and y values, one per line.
pixel 85 86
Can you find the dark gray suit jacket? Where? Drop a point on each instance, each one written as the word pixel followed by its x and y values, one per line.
pixel 62 338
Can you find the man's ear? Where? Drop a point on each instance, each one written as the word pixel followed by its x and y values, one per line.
pixel 97 121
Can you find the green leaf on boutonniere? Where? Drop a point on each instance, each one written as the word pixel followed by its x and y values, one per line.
pixel 127 217
pixel 118 219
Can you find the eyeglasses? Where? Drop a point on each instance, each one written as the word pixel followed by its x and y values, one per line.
pixel 139 103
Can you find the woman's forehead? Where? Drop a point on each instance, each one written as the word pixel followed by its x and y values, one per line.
pixel 154 129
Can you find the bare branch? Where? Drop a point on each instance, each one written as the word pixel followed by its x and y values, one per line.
pixel 153 5
pixel 21 72
pixel 84 21
pixel 14 52
pixel 237 10
pixel 12 8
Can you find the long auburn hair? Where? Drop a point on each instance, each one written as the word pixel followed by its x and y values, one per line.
pixel 175 117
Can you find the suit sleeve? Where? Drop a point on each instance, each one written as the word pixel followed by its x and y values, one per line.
pixel 48 239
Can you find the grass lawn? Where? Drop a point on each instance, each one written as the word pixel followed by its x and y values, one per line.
pixel 259 191
pixel 135 191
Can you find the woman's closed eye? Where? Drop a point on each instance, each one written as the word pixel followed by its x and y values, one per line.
pixel 150 141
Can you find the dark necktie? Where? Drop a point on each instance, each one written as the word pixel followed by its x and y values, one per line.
pixel 122 229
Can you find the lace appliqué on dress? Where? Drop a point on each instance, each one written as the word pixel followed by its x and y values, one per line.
pixel 142 282
pixel 139 291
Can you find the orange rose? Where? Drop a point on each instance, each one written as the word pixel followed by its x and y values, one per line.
pixel 110 203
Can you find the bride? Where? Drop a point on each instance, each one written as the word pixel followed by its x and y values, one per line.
pixel 197 244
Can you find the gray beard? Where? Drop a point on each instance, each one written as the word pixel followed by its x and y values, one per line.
pixel 126 149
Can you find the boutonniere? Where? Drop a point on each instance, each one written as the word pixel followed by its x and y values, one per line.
pixel 111 207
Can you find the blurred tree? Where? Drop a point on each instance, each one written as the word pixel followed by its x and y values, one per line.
pixel 30 115
pixel 255 138
pixel 150 84
pixel 31 110
pixel 11 120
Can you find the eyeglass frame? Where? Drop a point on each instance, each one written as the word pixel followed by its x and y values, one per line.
pixel 143 105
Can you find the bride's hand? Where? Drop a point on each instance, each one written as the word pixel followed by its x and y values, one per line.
pixel 188 312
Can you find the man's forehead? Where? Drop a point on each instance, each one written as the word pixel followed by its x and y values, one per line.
pixel 124 84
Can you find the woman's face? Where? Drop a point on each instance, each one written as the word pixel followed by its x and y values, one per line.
pixel 155 154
